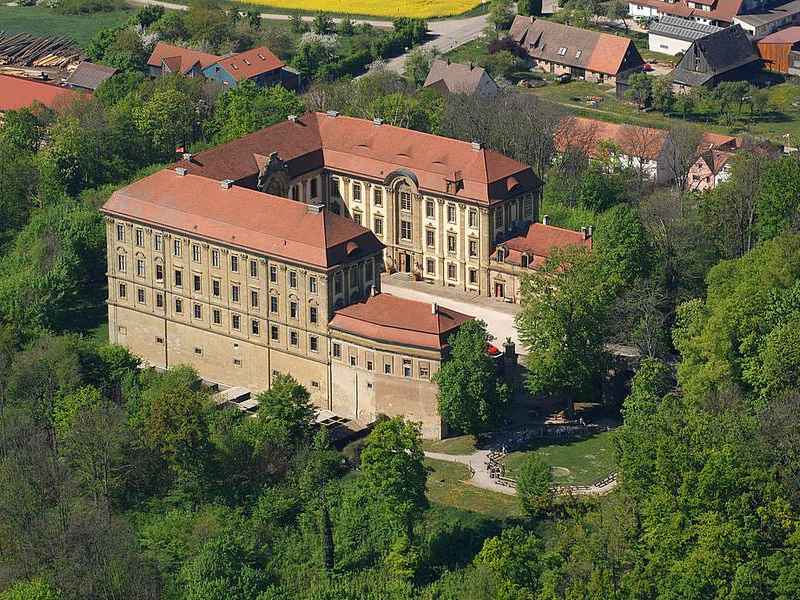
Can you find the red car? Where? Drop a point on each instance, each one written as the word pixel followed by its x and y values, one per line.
pixel 647 67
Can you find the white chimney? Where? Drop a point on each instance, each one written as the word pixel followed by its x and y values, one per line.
pixel 180 171
pixel 187 156
pixel 226 184
pixel 434 308
pixel 589 231
pixel 333 113
pixel 477 145
pixel 292 118
pixel 585 232
pixel 545 219
pixel 377 121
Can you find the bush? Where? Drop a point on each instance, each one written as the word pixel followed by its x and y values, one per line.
pixel 86 7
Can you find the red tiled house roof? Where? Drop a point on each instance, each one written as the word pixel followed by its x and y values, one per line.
pixel 179 59
pixel 17 92
pixel 588 134
pixel 538 243
pixel 241 217
pixel 251 63
pixel 387 318
pixel 363 148
pixel 721 10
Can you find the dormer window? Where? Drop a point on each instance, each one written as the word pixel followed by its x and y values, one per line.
pixel 501 254
pixel 525 261
pixel 562 51
pixel 247 62
pixel 578 54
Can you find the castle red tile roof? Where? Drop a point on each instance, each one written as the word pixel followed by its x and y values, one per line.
pixel 360 147
pixel 179 59
pixel 388 318
pixel 539 242
pixel 588 134
pixel 249 64
pixel 244 218
pixel 18 92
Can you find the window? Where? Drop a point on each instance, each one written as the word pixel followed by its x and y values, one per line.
pixel 451 271
pixel 407 367
pixel 254 298
pixel 430 238
pixel 451 213
pixel 562 51
pixel 293 310
pixel 120 232
pixel 405 230
pixel 295 192
pixel 159 300
pixel 122 263
pixel 405 201
pixel 215 288
pixel 430 209
pixel 273 304
pixel 473 276
pixel 501 254
pixel 424 370
pixel 178 278
pixel 357 217
pixel 312 314
pixel 334 186
pixel 198 311
pixel 273 274
pixel 158 242
pixel 178 305
pixel 140 237
pixel 312 284
pixel 387 368
pixel 159 272
pixel 368 270
pixel 313 343
pixel 216 315
pixel 473 217
pixel 378 226
pixel 123 290
pixel 215 258
pixel 273 333
pixel 198 283
pixel 337 350
pixel 253 268
pixel 235 293
pixel 525 261
pixel 498 217
pixel 292 279
pixel 198 351
pixel 234 264
pixel 370 365
pixel 578 54
pixel 377 196
pixel 353 360
pixel 337 283
pixel 430 266
pixel 315 384
pixel 356 192
pixel 236 322
pixel 176 248
pixel 313 187
pixel 293 338
pixel 255 327
pixel 195 253
pixel 140 267
pixel 237 362
pixel 473 247
pixel 451 243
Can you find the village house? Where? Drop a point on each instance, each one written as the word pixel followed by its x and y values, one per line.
pixel 243 286
pixel 19 92
pixel 88 76
pixel 455 78
pixel 167 58
pixel 726 55
pixel 438 205
pixel 708 12
pixel 583 54
pixel 769 20
pixel 674 35
pixel 780 51
pixel 525 253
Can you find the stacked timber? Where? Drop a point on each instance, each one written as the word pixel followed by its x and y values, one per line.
pixel 24 49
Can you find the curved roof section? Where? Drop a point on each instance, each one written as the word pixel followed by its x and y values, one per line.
pixel 391 319
pixel 237 216
pixel 364 148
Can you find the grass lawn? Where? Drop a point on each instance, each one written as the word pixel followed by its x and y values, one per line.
pixel 575 462
pixel 40 20
pixel 471 51
pixel 446 487
pixel 464 444
pixel 376 8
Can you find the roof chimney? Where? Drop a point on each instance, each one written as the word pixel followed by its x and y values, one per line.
pixel 532 19
pixel 471 65
pixel 545 219
pixel 589 231
pixel 434 308
pixel 314 207
pixel 226 184
pixel 187 156
pixel 180 171
pixel 377 121
pixel 372 291
pixel 477 145
pixel 585 233
pixel 292 118
pixel 332 113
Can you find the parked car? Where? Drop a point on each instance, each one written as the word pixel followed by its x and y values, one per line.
pixel 565 78
pixel 647 67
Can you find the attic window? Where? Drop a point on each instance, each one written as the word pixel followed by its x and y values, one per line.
pixel 247 62
pixel 501 254
pixel 261 56
pixel 235 68
pixel 562 51
pixel 525 261
pixel 578 54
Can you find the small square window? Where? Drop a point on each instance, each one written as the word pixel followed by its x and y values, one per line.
pixel 315 384
pixel 237 362
pixel 198 351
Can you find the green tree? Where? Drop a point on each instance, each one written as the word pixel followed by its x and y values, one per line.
pixel 418 64
pixel 530 7
pixel 471 397
pixel 322 24
pixel 207 21
pixel 501 13
pixel 392 470
pixel 640 89
pixel 778 202
pixel 167 117
pixel 171 26
pixel 534 485
pixel 24 129
pixel 515 558
pixel 34 589
pixel 287 407
pixel 17 188
pixel 247 108
pixel 126 52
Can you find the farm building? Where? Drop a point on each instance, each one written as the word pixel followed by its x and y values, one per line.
pixel 448 78
pixel 88 76
pixel 258 65
pixel 18 92
pixel 708 12
pixel 673 35
pixel 780 51
pixel 167 58
pixel 760 24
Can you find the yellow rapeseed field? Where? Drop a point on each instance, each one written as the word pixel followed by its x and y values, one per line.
pixel 379 8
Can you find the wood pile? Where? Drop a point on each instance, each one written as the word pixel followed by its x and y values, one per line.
pixel 27 50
